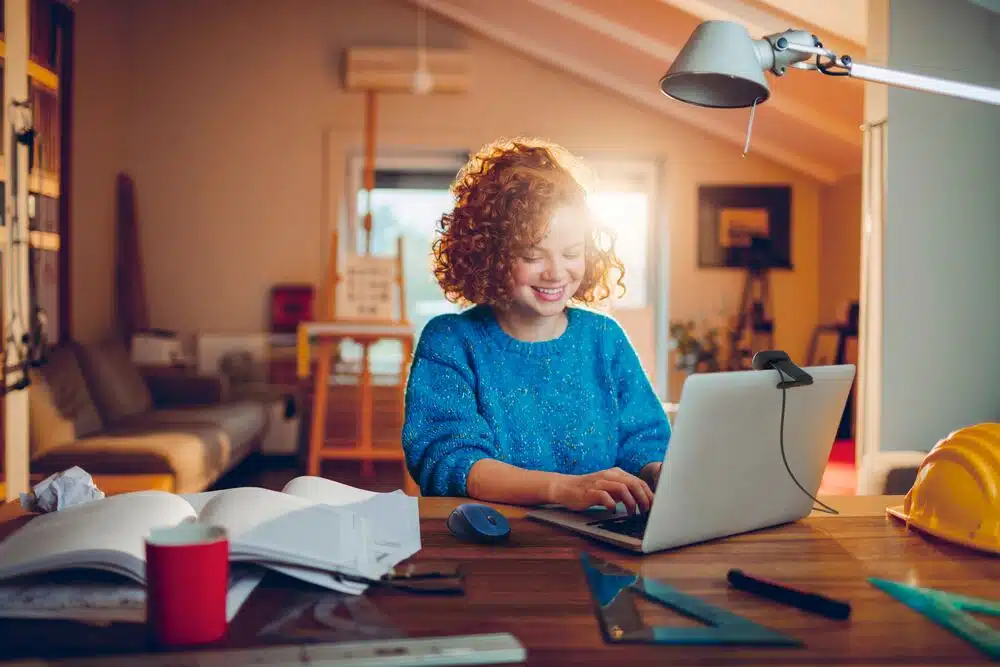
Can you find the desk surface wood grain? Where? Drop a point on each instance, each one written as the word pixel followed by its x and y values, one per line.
pixel 533 587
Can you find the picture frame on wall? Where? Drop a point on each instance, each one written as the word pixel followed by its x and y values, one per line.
pixel 742 226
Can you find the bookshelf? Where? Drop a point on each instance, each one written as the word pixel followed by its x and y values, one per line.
pixel 50 46
pixel 49 36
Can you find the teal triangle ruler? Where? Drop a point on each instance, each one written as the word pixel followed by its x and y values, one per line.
pixel 613 588
pixel 951 611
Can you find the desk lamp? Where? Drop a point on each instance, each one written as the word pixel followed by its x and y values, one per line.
pixel 721 66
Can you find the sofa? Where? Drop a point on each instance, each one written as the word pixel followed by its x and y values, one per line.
pixel 889 473
pixel 90 406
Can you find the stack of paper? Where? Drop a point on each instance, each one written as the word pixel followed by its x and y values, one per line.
pixel 324 528
pixel 317 530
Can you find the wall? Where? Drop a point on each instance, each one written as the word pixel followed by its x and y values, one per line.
pixel 940 363
pixel 100 116
pixel 227 137
pixel 840 241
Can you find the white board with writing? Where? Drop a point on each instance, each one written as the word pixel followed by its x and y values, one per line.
pixel 367 289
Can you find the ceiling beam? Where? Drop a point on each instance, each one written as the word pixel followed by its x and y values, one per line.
pixel 797 112
pixel 842 25
pixel 646 95
pixel 765 17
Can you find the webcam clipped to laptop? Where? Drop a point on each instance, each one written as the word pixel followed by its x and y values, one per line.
pixel 747 451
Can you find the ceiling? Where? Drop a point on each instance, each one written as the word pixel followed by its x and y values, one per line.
pixel 811 123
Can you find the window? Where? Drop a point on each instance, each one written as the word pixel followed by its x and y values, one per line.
pixel 411 194
pixel 409 203
pixel 623 200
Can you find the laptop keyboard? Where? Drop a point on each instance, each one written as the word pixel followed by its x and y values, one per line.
pixel 632 525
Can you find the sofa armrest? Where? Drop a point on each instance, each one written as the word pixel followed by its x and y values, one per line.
pixel 889 473
pixel 179 387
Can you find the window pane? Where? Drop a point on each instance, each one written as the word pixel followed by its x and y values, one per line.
pixel 413 213
pixel 627 213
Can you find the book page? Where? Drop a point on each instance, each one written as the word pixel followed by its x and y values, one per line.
pixel 198 500
pixel 317 489
pixel 107 534
pixel 393 518
pixel 266 525
pixel 327 491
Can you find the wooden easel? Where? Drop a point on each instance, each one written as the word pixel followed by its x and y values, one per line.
pixel 356 316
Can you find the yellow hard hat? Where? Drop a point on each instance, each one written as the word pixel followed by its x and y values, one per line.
pixel 956 495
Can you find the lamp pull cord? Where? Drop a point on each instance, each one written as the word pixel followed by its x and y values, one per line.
pixel 746 146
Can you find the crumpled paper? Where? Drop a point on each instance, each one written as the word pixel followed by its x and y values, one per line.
pixel 61 490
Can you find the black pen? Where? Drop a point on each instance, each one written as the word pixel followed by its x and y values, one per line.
pixel 811 602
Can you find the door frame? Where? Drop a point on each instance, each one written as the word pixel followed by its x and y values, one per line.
pixel 648 174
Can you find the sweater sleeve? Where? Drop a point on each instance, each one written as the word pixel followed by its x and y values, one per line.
pixel 643 427
pixel 443 432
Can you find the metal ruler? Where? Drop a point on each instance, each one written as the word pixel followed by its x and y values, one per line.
pixel 484 649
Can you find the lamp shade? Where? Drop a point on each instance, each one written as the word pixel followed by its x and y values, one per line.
pixel 718 67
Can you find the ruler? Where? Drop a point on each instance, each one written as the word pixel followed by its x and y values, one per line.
pixel 614 591
pixel 950 611
pixel 484 649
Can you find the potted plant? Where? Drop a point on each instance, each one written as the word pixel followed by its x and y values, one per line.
pixel 694 353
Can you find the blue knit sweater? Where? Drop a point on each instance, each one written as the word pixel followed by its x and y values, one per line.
pixel 576 404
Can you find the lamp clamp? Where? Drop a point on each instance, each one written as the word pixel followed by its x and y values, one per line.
pixel 795 48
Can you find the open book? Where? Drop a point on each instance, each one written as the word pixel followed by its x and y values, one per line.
pixel 312 529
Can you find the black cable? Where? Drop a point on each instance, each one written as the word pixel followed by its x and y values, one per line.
pixel 781 441
pixel 827 69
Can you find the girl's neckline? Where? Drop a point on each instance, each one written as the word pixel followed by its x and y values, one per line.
pixel 496 333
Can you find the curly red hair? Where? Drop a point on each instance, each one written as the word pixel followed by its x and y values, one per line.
pixel 504 197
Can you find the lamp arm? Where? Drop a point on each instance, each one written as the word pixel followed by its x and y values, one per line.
pixel 928 84
pixel 796 48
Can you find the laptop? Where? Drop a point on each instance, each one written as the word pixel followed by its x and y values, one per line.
pixel 723 472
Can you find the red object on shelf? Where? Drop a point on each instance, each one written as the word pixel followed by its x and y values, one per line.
pixel 290 304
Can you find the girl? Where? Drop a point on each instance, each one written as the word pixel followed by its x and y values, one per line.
pixel 524 398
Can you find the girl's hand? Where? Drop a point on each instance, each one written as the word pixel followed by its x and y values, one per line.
pixel 606 488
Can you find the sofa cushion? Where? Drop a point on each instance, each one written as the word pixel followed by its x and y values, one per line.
pixel 194 456
pixel 115 383
pixel 240 422
pixel 60 404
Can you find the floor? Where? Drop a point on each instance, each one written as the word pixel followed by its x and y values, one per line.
pixel 273 473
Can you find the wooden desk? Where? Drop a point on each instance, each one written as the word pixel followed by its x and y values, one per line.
pixel 533 587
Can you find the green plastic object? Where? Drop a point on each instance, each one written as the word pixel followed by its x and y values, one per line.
pixel 950 611
pixel 612 590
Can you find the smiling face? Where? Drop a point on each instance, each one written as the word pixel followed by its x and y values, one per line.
pixel 548 274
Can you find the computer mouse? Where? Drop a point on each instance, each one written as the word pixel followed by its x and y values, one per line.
pixel 478 523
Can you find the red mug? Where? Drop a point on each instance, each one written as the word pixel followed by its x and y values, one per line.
pixel 187 579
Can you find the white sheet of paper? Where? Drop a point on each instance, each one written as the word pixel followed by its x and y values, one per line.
pixel 104 601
